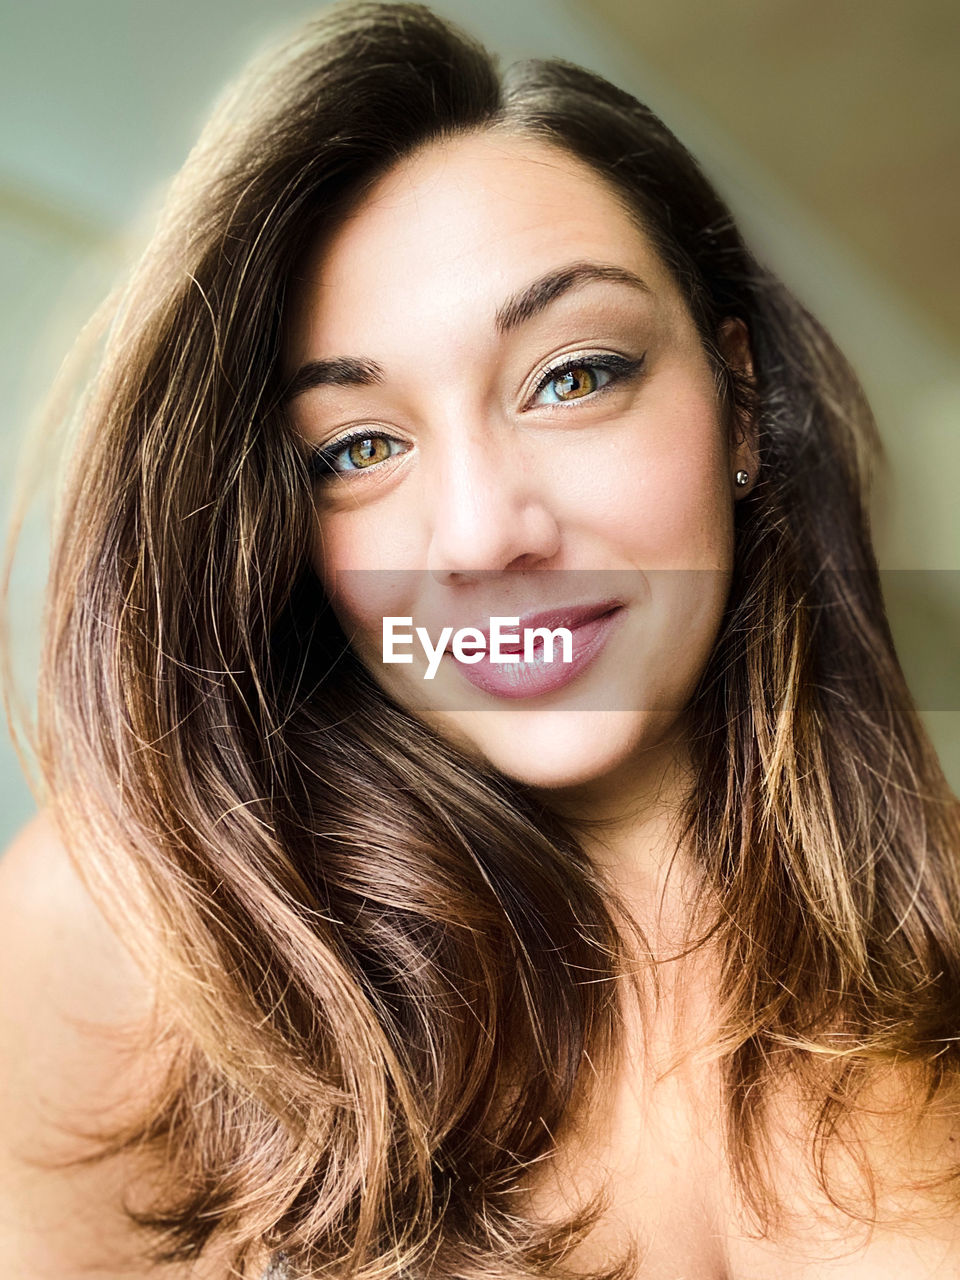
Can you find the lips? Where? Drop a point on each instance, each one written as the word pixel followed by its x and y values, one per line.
pixel 591 626
pixel 570 616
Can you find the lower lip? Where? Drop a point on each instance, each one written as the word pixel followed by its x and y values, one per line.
pixel 528 679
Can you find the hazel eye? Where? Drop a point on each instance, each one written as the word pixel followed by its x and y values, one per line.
pixel 582 379
pixel 575 382
pixel 359 452
pixel 370 449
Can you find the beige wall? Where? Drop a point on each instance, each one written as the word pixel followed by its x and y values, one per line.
pixel 853 108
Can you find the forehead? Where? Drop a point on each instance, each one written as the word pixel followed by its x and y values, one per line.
pixel 446 234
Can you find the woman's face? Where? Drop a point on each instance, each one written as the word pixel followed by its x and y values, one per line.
pixel 517 416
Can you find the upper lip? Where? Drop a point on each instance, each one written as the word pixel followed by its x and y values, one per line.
pixel 566 615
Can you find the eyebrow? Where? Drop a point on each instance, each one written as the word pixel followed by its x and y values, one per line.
pixel 356 371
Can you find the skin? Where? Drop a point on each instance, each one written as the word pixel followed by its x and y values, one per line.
pixel 627 490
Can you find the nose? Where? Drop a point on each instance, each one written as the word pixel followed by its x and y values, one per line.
pixel 488 511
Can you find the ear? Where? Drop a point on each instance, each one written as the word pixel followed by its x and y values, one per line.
pixel 733 340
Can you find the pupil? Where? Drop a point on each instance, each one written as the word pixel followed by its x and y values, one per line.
pixel 574 380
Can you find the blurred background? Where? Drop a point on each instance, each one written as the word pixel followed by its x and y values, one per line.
pixel 832 128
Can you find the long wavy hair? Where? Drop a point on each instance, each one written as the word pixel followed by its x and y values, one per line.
pixel 380 967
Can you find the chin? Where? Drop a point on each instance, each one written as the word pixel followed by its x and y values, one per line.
pixel 553 749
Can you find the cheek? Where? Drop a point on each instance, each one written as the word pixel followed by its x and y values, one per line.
pixel 382 533
pixel 367 556
pixel 660 491
pixel 345 555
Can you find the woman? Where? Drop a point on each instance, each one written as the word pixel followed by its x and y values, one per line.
pixel 642 966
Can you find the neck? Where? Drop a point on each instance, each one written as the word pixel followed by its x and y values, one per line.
pixel 628 824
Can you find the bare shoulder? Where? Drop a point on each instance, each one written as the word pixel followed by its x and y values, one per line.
pixel 56 945
pixel 74 1009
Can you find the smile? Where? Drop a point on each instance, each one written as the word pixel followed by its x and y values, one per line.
pixel 510 660
pixel 530 677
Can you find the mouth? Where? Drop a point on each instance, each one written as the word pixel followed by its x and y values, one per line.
pixel 522 674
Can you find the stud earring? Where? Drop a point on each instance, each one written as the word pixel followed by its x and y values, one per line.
pixel 742 477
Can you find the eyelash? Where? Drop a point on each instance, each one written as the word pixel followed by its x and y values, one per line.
pixel 620 369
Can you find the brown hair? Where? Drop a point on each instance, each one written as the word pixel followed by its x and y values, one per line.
pixel 380 967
